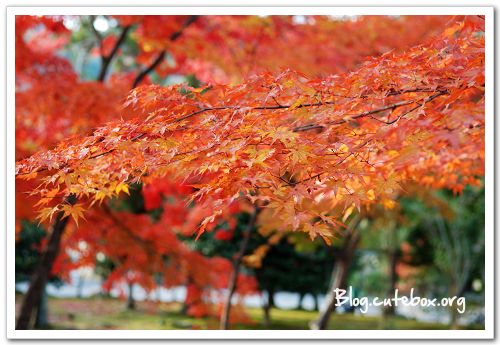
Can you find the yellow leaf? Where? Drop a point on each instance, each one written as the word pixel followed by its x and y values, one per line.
pixel 75 211
pixel 370 195
pixel 257 157
pixel 99 196
pixel 299 155
pixel 47 197
pixel 320 229
pixel 47 212
pixel 389 186
pixel 122 187
pixel 308 90
pixel 389 204
pixel 283 134
pixel 348 212
pixel 297 103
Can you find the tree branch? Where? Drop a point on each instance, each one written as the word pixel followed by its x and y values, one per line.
pixel 97 34
pixel 372 112
pixel 233 279
pixel 274 107
pixel 148 69
pixel 106 60
pixel 173 37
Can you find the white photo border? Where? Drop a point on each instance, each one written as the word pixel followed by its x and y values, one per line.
pixel 487 333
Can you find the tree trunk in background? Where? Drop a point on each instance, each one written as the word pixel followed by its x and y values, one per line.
pixel 271 299
pixel 184 308
pixel 224 320
pixel 453 317
pixel 267 308
pixel 130 298
pixel 339 274
pixel 316 302
pixel 33 296
pixel 452 291
pixel 301 299
pixel 393 279
pixel 103 293
pixel 79 287
pixel 42 320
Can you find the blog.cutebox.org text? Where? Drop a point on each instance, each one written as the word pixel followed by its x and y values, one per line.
pixel 343 297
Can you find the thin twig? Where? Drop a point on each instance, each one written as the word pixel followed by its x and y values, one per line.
pixel 369 113
pixel 173 37
pixel 106 59
pixel 296 129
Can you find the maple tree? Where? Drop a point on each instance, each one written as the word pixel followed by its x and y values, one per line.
pixel 142 247
pixel 222 49
pixel 304 148
pixel 59 101
pixel 354 135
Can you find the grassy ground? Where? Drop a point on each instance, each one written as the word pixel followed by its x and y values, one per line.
pixel 99 313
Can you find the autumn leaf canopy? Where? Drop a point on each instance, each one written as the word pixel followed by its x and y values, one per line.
pixel 304 148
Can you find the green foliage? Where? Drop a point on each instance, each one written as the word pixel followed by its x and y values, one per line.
pixel 134 203
pixel 449 233
pixel 369 273
pixel 210 246
pixel 28 249
pixel 295 264
pixel 285 268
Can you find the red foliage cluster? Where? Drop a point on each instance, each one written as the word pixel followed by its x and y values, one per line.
pixel 370 111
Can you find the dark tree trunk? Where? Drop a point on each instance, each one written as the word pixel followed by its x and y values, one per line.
pixel 267 308
pixel 301 299
pixel 316 302
pixel 32 299
pixel 42 320
pixel 33 296
pixel 267 315
pixel 393 278
pixel 184 308
pixel 339 275
pixel 271 299
pixel 224 320
pixel 130 298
